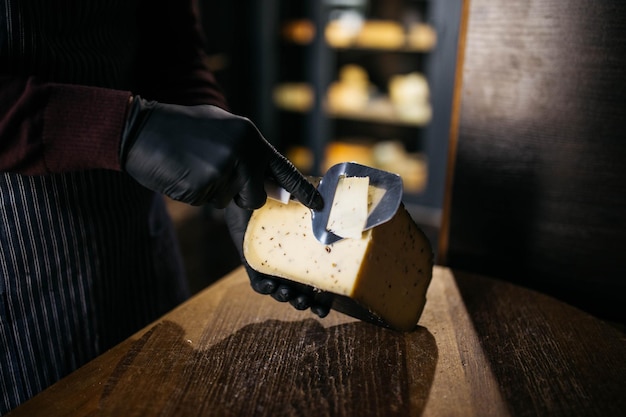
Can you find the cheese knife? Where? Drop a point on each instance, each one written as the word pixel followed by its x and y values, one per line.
pixel 390 196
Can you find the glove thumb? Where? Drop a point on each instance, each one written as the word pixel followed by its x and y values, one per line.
pixel 293 181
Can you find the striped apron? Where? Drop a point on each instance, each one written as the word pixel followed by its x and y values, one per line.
pixel 86 259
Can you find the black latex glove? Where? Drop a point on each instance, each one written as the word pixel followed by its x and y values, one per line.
pixel 298 295
pixel 203 154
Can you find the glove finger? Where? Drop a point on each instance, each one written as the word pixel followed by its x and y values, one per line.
pixel 261 283
pixel 320 310
pixel 237 221
pixel 300 302
pixel 293 181
pixel 252 195
pixel 227 191
pixel 283 293
pixel 321 304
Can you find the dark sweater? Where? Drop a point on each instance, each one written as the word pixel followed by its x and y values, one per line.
pixel 68 69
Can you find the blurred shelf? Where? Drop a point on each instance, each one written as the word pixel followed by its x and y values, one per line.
pixel 379 111
pixel 382 110
pixel 377 70
pixel 365 35
pixel 403 49
pixel 299 98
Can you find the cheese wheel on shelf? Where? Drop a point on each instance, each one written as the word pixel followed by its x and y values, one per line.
pixel 384 34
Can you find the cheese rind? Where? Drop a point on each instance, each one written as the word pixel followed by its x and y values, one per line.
pixel 387 270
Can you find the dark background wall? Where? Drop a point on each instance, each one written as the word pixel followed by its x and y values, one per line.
pixel 539 194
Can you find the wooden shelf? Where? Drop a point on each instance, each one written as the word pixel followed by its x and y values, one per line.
pixel 405 49
pixel 383 111
pixel 380 110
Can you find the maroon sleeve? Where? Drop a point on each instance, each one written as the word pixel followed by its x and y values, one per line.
pixel 50 128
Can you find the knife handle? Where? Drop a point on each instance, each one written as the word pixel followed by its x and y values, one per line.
pixel 276 192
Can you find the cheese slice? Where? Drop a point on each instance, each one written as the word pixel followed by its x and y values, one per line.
pixel 387 270
pixel 348 213
pixel 374 196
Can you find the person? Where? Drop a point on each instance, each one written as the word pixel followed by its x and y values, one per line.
pixel 106 106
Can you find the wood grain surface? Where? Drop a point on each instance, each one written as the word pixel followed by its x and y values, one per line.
pixel 482 348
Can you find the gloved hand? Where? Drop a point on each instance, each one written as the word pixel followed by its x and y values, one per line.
pixel 203 154
pixel 298 295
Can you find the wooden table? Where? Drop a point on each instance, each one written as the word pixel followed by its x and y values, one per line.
pixel 483 348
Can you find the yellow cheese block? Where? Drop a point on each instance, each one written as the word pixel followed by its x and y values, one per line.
pixel 387 271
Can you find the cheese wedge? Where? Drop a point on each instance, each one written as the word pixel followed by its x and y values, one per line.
pixel 387 270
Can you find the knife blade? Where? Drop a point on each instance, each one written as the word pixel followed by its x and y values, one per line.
pixel 389 183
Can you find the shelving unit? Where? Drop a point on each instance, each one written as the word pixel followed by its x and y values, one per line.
pixel 300 66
